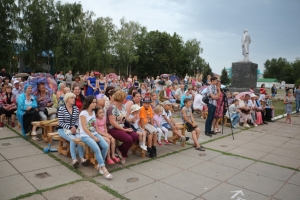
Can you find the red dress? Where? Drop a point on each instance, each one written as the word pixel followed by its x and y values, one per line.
pixel 219 107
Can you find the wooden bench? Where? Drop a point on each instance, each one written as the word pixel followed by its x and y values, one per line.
pixel 48 126
pixel 63 145
pixel 226 121
pixel 136 148
pixel 89 154
pixel 174 137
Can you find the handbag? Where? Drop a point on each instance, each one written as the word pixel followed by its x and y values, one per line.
pixel 205 99
pixel 50 111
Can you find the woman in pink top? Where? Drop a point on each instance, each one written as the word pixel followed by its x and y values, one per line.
pixel 102 130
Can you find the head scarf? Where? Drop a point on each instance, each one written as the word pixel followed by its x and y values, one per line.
pixel 25 87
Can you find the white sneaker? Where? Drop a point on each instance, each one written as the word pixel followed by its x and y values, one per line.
pixel 33 133
pixel 144 147
pixel 255 125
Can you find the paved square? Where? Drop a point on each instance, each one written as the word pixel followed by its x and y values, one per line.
pixel 232 161
pixel 20 152
pixel 7 169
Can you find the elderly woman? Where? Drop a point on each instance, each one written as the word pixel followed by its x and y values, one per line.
pixel 116 114
pixel 8 106
pixel 68 122
pixel 245 110
pixel 27 112
pixel 44 99
pixel 103 99
pixel 219 110
pixel 79 98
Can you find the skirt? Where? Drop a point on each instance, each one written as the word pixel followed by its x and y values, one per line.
pixel 258 118
pixel 28 118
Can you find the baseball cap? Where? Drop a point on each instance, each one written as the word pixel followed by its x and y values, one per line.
pixel 16 81
pixel 134 108
pixel 147 100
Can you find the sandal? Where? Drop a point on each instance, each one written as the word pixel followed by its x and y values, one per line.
pixel 115 159
pixel 159 143
pixel 35 138
pixel 110 162
pixel 108 176
pixel 84 162
pixel 201 148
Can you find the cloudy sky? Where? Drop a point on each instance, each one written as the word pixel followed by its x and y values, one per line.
pixel 274 25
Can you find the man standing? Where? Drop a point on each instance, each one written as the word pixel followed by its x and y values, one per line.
pixel 273 90
pixel 69 77
pixel 60 77
pixel 16 91
pixel 297 99
pixel 213 93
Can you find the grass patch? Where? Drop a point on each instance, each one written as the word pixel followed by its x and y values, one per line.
pixel 279 107
pixel 9 137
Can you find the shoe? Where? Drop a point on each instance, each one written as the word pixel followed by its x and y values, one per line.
pixel 115 159
pixel 182 140
pixel 123 161
pixel 35 138
pixel 150 152
pixel 75 163
pixel 159 143
pixel 12 124
pixel 84 162
pixel 265 122
pixel 201 148
pixel 167 141
pixel 1 124
pixel 154 151
pixel 187 139
pixel 233 126
pixel 255 125
pixel 110 162
pixel 213 133
pixel 33 133
pixel 246 126
pixel 144 147
pixel 208 134
pixel 108 176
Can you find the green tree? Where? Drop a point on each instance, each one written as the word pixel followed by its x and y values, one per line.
pixel 206 71
pixel 280 69
pixel 224 77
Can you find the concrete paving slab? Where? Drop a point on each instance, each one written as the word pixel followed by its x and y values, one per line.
pixel 7 169
pixel 270 171
pixel 159 191
pixel 280 132
pixel 287 152
pixel 245 137
pixel 281 160
pixel 256 183
pixel 288 192
pixel 81 190
pixel 220 146
pixel 291 146
pixel 295 141
pixel 295 179
pixel 213 170
pixel 20 152
pixel 7 133
pixel 51 176
pixel 35 197
pixel 252 132
pixel 13 142
pixel 125 181
pixel 276 138
pixel 204 155
pixel 1 158
pixel 190 182
pixel 183 162
pixel 256 146
pixel 226 191
pixel 13 186
pixel 235 142
pixel 32 163
pixel 232 161
pixel 268 142
pixel 156 170
pixel 250 153
pixel 290 130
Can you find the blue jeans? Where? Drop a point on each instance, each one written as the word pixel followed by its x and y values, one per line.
pixel 210 117
pixel 234 118
pixel 72 144
pixel 167 126
pixel 100 156
pixel 297 106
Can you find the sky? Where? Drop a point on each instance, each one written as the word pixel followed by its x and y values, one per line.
pixel 274 25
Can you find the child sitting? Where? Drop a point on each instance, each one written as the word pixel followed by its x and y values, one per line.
pixel 102 130
pixel 188 120
pixel 233 113
pixel 146 122
pixel 134 116
pixel 158 118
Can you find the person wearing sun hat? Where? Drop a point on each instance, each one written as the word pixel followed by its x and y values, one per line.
pixel 147 123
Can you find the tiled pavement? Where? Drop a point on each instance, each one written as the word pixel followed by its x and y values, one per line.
pixel 261 163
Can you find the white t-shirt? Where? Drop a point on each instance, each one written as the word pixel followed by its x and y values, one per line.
pixel 179 92
pixel 198 103
pixel 60 76
pixel 163 121
pixel 158 87
pixel 90 123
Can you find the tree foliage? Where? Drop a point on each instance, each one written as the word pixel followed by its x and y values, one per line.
pixel 224 77
pixel 49 31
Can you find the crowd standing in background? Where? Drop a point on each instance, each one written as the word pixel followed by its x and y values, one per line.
pixel 101 110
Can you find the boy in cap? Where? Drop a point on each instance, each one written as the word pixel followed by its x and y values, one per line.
pixel 147 123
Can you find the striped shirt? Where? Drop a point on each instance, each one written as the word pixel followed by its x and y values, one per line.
pixel 67 120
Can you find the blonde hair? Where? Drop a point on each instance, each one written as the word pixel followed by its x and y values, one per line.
pixel 68 96
pixel 158 109
pixel 65 90
pixel 235 93
pixel 119 96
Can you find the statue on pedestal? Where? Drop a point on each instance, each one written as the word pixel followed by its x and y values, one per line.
pixel 246 40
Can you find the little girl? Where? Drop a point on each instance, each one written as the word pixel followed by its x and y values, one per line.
pixel 158 118
pixel 102 130
pixel 288 107
pixel 134 118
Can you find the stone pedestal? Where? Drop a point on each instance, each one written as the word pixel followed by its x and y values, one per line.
pixel 244 76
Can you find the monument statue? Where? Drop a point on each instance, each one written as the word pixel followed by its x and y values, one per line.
pixel 246 40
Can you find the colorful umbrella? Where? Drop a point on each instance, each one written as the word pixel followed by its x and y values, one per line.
pixel 165 75
pixel 114 76
pixel 242 94
pixel 45 78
